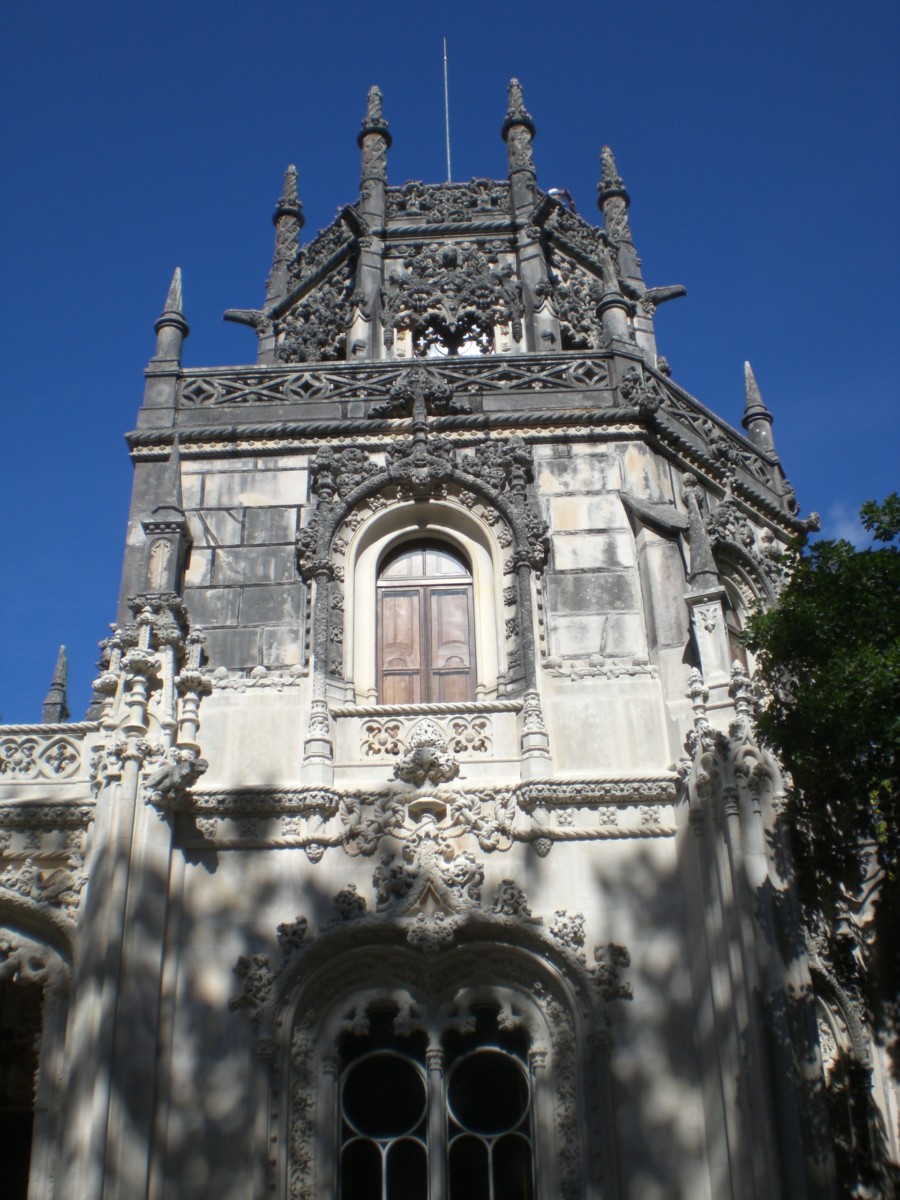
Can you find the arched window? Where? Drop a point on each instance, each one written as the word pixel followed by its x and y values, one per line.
pixel 425 625
pixel 459 1111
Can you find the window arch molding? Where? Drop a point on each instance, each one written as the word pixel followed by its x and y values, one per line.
pixel 385 532
pixel 345 972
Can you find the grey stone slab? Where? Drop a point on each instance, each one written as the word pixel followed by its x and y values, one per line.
pixel 282 647
pixel 216 527
pixel 254 564
pixel 590 591
pixel 280 604
pixel 581 473
pixel 535 401
pixel 587 512
pixel 589 550
pixel 191 490
pixel 212 606
pixel 269 525
pixel 577 635
pixel 277 462
pixel 199 567
pixel 625 634
pixel 255 488
pixel 232 647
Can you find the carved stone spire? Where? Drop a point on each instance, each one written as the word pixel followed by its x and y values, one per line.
pixel 374 141
pixel 171 327
pixel 55 708
pixel 516 112
pixel 611 182
pixel 757 419
pixel 518 132
pixel 703 573
pixel 288 221
pixel 613 202
pixel 374 121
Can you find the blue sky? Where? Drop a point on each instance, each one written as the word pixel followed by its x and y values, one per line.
pixel 759 143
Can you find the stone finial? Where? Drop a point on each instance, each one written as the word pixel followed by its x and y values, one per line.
pixel 613 201
pixel 55 708
pixel 757 419
pixel 516 112
pixel 611 183
pixel 374 121
pixel 174 302
pixel 288 204
pixel 171 327
pixel 703 573
pixel 288 221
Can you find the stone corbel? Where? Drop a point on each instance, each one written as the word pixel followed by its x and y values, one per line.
pixel 707 612
pixel 168 542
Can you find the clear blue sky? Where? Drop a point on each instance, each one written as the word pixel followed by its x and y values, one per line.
pixel 759 142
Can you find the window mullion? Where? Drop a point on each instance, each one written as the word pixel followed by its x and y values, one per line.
pixel 437 1124
pixel 429 691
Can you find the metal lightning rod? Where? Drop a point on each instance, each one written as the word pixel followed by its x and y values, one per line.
pixel 446 110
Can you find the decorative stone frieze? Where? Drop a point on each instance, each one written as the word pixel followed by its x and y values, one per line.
pixel 448 203
pixel 39 756
pixel 451 294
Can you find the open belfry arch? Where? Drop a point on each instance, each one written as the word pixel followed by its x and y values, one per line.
pixel 417 843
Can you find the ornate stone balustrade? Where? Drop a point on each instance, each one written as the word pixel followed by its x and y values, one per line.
pixel 482 735
pixel 36 753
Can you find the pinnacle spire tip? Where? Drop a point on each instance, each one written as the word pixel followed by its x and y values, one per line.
pixel 516 112
pixel 611 182
pixel 55 708
pixel 289 204
pixel 374 121
pixel 757 419
pixel 753 401
pixel 174 299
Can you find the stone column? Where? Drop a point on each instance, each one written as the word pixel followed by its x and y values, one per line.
pixel 613 202
pixel 434 1061
pixel 518 131
pixel 318 751
pixel 363 339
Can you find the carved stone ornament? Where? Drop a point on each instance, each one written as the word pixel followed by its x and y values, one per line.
pixel 427 758
pixel 494 476
pixel 641 391
pixel 152 685
pixel 315 328
pixel 449 295
pixel 420 383
pixel 429 893
pixel 448 203
pixel 24 960
pixel 51 890
pixel 170 782
pixel 733 536
pixel 398 959
pixel 38 756
pixel 317 819
pixel 716 757
pixel 575 296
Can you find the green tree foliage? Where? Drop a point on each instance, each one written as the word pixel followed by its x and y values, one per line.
pixel 829 654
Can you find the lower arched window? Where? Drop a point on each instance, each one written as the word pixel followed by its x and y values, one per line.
pixel 455 1116
pixel 425 625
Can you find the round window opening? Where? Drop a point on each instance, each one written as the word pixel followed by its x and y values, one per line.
pixel 488 1092
pixel 384 1096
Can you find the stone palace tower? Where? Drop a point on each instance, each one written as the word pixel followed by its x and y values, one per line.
pixel 417 844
